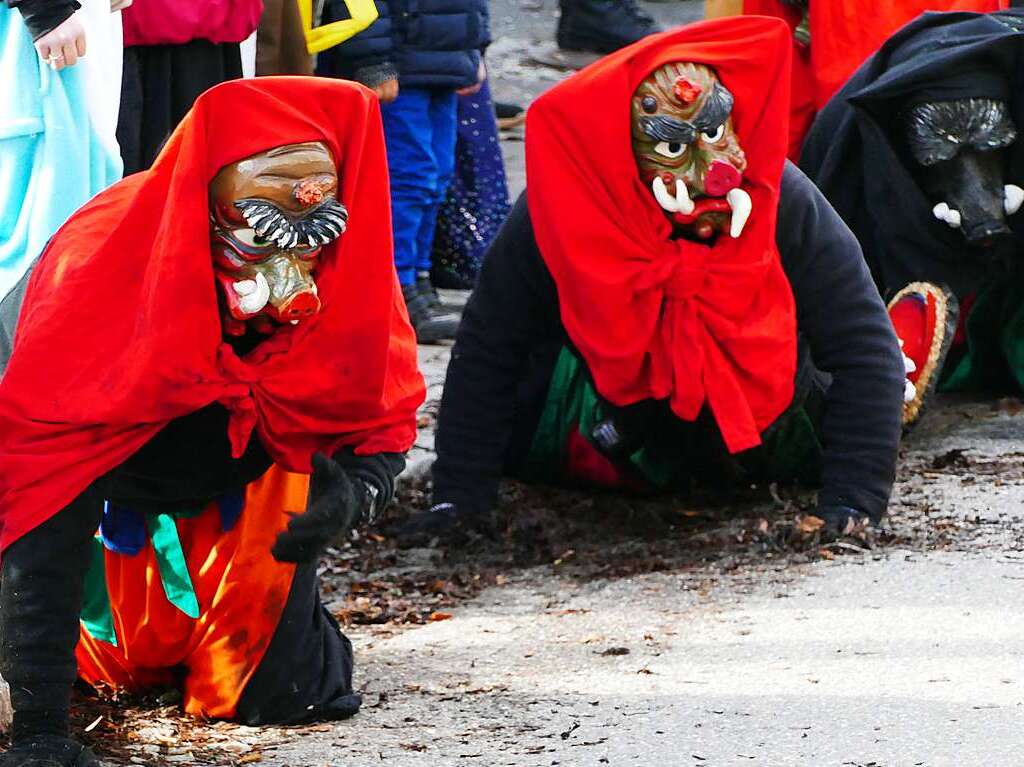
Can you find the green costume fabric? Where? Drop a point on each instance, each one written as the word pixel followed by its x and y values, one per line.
pixel 994 360
pixel 96 614
pixel 790 451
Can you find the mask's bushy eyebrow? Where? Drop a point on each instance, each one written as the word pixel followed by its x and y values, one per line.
pixel 662 128
pixel 320 226
pixel 939 130
pixel 716 110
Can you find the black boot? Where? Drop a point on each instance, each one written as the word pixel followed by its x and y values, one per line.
pixel 49 751
pixel 430 324
pixel 602 26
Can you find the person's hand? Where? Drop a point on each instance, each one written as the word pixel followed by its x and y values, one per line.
pixel 387 91
pixel 336 504
pixel 119 5
pixel 481 75
pixel 443 523
pixel 63 45
pixel 842 522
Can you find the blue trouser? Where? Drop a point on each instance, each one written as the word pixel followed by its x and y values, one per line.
pixel 419 128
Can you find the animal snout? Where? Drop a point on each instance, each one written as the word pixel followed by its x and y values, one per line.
pixel 721 178
pixel 300 306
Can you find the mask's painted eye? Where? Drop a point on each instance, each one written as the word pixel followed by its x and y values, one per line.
pixel 250 238
pixel 715 136
pixel 671 149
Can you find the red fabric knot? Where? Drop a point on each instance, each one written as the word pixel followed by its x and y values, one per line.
pixel 678 278
pixel 242 421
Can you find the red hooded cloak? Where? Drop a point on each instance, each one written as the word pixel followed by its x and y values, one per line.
pixel 120 330
pixel 655 317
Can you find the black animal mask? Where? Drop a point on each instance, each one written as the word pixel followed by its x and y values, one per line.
pixel 958 146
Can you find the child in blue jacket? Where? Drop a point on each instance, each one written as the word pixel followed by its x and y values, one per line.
pixel 417 56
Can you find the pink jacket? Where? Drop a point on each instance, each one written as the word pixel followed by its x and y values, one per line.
pixel 156 22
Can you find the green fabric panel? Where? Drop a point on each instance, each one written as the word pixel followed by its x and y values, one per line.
pixel 994 361
pixel 791 451
pixel 170 559
pixel 96 613
pixel 562 411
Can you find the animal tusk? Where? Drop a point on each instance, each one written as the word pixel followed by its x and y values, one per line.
pixel 909 392
pixel 1013 198
pixel 665 200
pixel 683 200
pixel 244 287
pixel 944 213
pixel 257 299
pixel 742 206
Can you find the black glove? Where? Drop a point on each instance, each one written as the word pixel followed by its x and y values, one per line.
pixel 444 522
pixel 841 521
pixel 49 751
pixel 337 503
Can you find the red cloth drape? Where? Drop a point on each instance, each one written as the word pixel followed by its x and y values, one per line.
pixel 120 330
pixel 844 33
pixel 655 317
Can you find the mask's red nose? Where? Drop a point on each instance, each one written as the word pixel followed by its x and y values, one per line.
pixel 300 306
pixel 721 178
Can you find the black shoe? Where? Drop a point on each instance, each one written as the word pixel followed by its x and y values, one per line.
pixel 426 288
pixel 49 751
pixel 602 26
pixel 430 324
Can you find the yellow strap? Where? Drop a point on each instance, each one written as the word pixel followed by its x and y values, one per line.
pixel 714 9
pixel 363 13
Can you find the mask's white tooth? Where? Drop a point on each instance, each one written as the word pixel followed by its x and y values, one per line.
pixel 294 322
pixel 941 211
pixel 256 300
pixel 909 365
pixel 1013 198
pixel 909 392
pixel 665 200
pixel 742 206
pixel 683 201
pixel 244 287
pixel 953 219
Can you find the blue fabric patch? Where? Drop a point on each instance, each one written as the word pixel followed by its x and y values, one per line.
pixel 122 530
pixel 230 505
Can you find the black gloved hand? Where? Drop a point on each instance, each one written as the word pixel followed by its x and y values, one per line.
pixel 49 751
pixel 336 504
pixel 841 521
pixel 444 523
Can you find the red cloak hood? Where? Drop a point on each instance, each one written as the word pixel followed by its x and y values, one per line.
pixel 655 317
pixel 120 330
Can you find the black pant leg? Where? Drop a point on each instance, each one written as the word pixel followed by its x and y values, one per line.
pixel 40 606
pixel 306 673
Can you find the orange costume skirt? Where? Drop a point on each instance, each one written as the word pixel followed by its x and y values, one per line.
pixel 197 605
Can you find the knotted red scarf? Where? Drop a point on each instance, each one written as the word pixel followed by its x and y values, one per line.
pixel 655 317
pixel 120 331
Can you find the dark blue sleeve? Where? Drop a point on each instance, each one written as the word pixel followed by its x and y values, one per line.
pixel 369 56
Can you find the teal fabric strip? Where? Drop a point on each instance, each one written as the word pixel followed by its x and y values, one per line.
pixel 96 613
pixel 170 559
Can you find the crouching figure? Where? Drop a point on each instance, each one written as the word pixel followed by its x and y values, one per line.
pixel 207 377
pixel 920 154
pixel 671 299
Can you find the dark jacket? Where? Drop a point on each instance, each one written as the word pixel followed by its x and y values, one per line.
pixel 511 333
pixel 42 16
pixel 425 43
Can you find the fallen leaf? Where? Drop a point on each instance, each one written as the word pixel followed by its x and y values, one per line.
pixel 808 524
pixel 434 617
